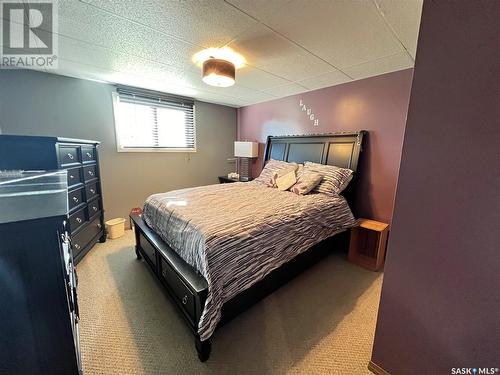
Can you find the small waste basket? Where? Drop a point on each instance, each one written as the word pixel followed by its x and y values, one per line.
pixel 116 227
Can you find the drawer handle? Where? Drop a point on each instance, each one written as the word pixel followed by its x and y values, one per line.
pixel 70 156
pixel 75 199
pixel 89 154
pixel 79 221
pixel 92 191
pixel 94 208
pixel 77 246
pixel 185 300
pixel 91 173
pixel 71 176
pixel 99 226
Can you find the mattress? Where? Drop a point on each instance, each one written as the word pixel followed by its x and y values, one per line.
pixel 235 234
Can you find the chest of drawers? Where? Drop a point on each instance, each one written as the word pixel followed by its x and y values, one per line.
pixel 81 160
pixel 38 284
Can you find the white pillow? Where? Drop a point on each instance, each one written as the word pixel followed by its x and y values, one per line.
pixel 278 174
pixel 286 181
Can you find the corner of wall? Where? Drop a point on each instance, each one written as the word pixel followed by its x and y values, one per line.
pixel 238 123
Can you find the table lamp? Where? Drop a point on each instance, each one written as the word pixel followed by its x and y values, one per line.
pixel 244 151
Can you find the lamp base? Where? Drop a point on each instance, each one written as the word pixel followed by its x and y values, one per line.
pixel 244 169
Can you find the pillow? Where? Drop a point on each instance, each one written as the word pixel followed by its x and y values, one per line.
pixel 286 181
pixel 307 181
pixel 300 170
pixel 335 179
pixel 278 174
pixel 271 167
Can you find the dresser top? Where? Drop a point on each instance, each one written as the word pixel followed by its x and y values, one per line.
pixel 47 139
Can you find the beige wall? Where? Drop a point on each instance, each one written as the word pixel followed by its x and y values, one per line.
pixel 33 103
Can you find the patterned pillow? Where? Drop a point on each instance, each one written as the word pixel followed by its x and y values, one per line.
pixel 307 181
pixel 286 181
pixel 272 167
pixel 335 179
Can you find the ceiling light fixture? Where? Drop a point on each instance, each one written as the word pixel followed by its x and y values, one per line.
pixel 219 65
pixel 217 72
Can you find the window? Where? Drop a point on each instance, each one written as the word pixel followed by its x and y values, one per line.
pixel 152 121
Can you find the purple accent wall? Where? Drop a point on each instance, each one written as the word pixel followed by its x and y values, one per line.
pixel 440 305
pixel 377 104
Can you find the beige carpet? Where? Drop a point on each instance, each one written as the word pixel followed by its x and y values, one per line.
pixel 322 322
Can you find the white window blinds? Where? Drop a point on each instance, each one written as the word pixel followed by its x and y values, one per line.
pixel 148 120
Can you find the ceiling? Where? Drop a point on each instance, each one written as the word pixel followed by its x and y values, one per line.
pixel 291 46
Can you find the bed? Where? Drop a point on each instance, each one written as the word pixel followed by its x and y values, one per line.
pixel 218 249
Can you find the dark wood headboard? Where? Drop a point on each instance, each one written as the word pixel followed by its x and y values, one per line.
pixel 339 149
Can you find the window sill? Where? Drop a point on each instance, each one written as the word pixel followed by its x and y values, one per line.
pixel 156 149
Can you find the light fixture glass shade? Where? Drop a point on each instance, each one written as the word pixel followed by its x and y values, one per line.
pixel 224 53
pixel 246 149
pixel 217 72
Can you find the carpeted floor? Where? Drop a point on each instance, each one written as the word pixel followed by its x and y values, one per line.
pixel 322 322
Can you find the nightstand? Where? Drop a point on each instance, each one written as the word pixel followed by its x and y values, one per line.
pixel 226 180
pixel 368 244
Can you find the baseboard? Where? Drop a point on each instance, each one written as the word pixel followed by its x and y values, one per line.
pixel 376 369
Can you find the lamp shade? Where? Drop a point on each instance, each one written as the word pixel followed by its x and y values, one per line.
pixel 217 72
pixel 246 149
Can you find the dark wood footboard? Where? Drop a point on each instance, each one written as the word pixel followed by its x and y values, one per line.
pixel 188 289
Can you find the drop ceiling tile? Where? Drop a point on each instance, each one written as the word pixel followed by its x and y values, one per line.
pixel 268 51
pixel 260 9
pixel 244 94
pixel 107 59
pixel 286 90
pixel 404 18
pixel 252 99
pixel 381 66
pixel 90 25
pixel 332 78
pixel 161 82
pixel 216 22
pixel 258 79
pixel 343 32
